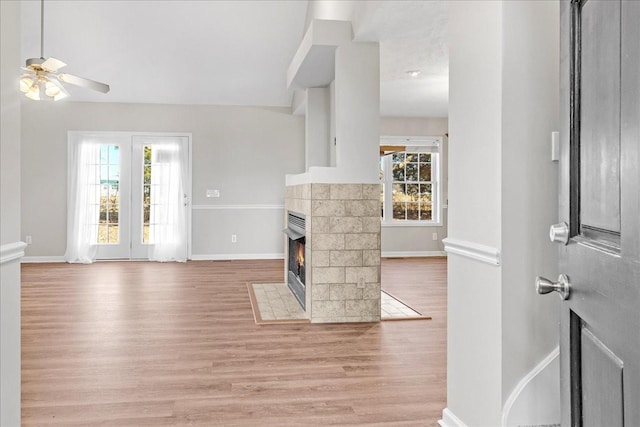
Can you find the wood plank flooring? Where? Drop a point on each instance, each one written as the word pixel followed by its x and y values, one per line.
pixel 150 344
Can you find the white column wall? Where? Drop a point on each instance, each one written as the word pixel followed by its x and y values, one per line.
pixel 357 112
pixel 10 244
pixel 317 128
pixel 502 194
pixel 474 322
pixel 530 112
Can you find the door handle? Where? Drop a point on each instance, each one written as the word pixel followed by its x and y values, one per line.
pixel 562 286
pixel 559 233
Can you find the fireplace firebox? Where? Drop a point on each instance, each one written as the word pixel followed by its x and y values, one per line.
pixel 296 275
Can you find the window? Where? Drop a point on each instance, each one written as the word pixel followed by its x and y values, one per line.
pixel 410 181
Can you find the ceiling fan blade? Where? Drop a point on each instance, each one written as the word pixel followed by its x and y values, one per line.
pixel 63 92
pixel 52 64
pixel 82 82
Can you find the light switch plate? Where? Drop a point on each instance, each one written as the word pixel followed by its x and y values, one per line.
pixel 555 146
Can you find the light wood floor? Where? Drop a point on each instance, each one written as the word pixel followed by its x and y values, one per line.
pixel 149 344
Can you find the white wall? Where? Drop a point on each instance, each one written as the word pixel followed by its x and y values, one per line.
pixel 474 356
pixel 244 152
pixel 10 129
pixel 530 112
pixel 399 240
pixel 9 213
pixel 502 194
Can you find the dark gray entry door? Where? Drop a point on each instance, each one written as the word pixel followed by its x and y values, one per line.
pixel 600 202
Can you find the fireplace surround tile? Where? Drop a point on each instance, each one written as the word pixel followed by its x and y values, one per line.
pixel 371 224
pixel 326 242
pixel 362 207
pixel 328 274
pixel 371 191
pixel 345 258
pixel 345 225
pixel 346 291
pixel 371 258
pixel 362 241
pixel 331 208
pixel 346 192
pixel 321 292
pixel 321 258
pixel 320 191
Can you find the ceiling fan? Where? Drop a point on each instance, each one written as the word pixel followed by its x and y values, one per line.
pixel 42 77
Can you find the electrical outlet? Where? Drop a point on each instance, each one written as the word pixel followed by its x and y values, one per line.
pixel 361 283
pixel 28 240
pixel 234 238
pixel 213 193
pixel 434 236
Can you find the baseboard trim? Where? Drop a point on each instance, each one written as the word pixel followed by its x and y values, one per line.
pixel 522 384
pixel 472 250
pixel 450 420
pixel 12 251
pixel 411 254
pixel 42 259
pixel 199 257
pixel 226 257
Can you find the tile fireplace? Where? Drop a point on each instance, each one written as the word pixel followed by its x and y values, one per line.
pixel 339 250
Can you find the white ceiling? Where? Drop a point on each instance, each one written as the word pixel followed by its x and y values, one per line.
pixel 231 52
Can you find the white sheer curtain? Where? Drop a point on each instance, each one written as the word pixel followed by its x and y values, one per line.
pixel 83 202
pixel 167 221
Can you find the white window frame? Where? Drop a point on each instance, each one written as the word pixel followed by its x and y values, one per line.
pixel 414 144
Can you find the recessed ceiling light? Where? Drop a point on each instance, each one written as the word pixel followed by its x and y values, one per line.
pixel 413 73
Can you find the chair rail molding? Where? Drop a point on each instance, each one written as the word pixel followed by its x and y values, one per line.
pixel 486 254
pixel 236 207
pixel 12 251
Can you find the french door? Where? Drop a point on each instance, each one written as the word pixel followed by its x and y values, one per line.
pixel 144 186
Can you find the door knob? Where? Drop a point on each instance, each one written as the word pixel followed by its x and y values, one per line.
pixel 562 286
pixel 559 233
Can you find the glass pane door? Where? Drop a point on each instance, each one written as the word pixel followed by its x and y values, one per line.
pixel 149 204
pixel 113 224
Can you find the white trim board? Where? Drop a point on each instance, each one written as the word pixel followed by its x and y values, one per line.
pixel 227 257
pixel 235 207
pixel 450 420
pixel 524 382
pixel 41 259
pixel 412 254
pixel 486 254
pixel 12 251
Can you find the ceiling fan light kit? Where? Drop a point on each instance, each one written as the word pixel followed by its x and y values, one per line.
pixel 42 80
